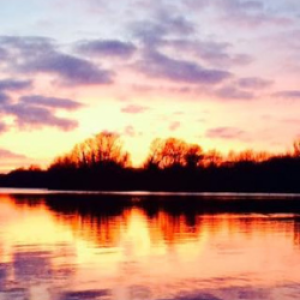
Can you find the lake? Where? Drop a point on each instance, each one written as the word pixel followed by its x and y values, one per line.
pixel 135 246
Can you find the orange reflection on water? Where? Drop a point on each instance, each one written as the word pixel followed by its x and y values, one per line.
pixel 62 247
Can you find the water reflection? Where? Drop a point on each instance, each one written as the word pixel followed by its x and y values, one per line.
pixel 77 247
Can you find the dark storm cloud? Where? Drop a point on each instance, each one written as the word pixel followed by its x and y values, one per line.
pixel 158 65
pixel 225 133
pixel 51 102
pixel 107 48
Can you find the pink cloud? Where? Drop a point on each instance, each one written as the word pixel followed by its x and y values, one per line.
pixel 134 109
pixel 174 125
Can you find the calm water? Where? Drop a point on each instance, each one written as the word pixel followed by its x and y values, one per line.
pixel 71 247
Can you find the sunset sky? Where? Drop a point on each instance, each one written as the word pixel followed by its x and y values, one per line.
pixel 221 73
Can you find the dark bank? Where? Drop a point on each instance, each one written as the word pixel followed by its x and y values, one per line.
pixel 100 163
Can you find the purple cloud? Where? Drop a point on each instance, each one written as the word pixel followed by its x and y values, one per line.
pixel 251 13
pixel 72 70
pixel 41 55
pixel 253 83
pixel 233 93
pixel 107 48
pixel 4 98
pixel 157 65
pixel 247 13
pixel 14 85
pixel 162 25
pixel 24 48
pixel 36 111
pixel 289 94
pixel 225 133
pixel 3 54
pixel 134 109
pixel 212 52
pixel 32 117
pixel 51 102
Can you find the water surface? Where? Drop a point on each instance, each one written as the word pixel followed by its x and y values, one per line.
pixel 90 247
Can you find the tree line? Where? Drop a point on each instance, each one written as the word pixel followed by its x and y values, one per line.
pixel 102 163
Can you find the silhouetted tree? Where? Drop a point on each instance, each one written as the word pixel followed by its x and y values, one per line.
pixel 103 150
pixel 296 146
pixel 193 156
pixel 212 158
pixel 173 152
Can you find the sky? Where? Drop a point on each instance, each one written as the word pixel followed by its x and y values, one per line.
pixel 220 73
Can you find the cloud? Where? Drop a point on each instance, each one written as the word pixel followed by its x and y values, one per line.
pixel 106 48
pixel 163 24
pixel 3 54
pixel 14 85
pixel 225 133
pixel 3 127
pixel 250 13
pixel 174 126
pixel 254 83
pixel 41 55
pixel 51 102
pixel 10 160
pixel 33 117
pixel 134 109
pixel 289 94
pixel 4 98
pixel 233 93
pixel 7 154
pixel 26 45
pixel 210 51
pixel 247 13
pixel 158 65
pixel 72 70
pixel 129 131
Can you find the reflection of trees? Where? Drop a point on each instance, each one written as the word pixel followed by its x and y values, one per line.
pixel 104 219
pixel 173 228
pixel 297 230
pixel 105 231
